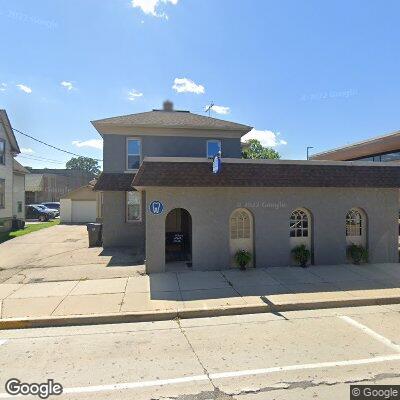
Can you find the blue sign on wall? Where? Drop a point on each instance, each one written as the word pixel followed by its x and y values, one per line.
pixel 156 207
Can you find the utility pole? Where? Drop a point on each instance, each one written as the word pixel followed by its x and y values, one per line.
pixel 308 148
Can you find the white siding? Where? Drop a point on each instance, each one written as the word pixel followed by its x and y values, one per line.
pixel 6 172
pixel 65 210
pixel 19 195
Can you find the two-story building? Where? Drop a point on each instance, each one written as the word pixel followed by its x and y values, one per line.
pixel 12 176
pixel 162 198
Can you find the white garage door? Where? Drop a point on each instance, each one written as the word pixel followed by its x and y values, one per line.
pixel 83 211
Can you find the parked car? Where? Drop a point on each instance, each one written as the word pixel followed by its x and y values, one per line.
pixel 35 212
pixel 52 213
pixel 53 205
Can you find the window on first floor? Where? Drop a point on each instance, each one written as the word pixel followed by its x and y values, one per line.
pixel 240 225
pixel 213 148
pixel 133 206
pixel 354 223
pixel 2 193
pixel 133 154
pixel 19 206
pixel 2 151
pixel 299 224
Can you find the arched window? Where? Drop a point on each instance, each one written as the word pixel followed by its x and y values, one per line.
pixel 354 223
pixel 299 224
pixel 240 225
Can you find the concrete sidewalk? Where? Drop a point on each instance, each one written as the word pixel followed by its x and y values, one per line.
pixel 192 293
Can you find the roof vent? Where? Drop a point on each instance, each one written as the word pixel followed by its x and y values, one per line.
pixel 168 105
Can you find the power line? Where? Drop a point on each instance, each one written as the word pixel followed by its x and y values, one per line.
pixel 53 147
pixel 38 158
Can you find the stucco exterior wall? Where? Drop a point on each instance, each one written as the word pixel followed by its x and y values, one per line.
pixel 116 230
pixel 114 153
pixel 19 195
pixel 210 209
pixel 6 173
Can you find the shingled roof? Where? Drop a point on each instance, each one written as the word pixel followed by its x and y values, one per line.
pixel 110 181
pixel 171 119
pixel 266 173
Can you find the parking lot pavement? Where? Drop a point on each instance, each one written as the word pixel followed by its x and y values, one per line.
pixel 264 356
pixel 59 253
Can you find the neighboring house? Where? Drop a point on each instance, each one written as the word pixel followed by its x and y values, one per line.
pixel 52 184
pixel 81 205
pixel 379 149
pixel 162 199
pixel 10 182
pixel 19 173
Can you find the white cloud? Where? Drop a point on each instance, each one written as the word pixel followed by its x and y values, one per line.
pixel 24 88
pixel 266 138
pixel 133 94
pixel 150 7
pixel 26 150
pixel 67 85
pixel 3 87
pixel 185 85
pixel 219 109
pixel 94 143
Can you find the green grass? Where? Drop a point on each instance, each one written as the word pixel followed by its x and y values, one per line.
pixel 28 229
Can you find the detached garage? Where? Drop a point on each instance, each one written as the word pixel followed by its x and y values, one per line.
pixel 80 206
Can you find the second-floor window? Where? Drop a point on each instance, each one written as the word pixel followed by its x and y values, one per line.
pixel 2 151
pixel 133 153
pixel 213 147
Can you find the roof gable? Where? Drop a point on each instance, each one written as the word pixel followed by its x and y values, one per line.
pixel 9 132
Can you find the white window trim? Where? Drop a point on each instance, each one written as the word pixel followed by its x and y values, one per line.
pixel 213 141
pixel 133 221
pixel 126 152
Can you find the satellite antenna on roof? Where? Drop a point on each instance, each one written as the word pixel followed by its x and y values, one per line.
pixel 208 108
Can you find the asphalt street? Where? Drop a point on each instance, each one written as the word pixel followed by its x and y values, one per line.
pixel 293 355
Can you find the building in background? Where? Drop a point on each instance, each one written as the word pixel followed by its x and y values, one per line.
pixel 378 149
pixel 52 184
pixel 82 205
pixel 11 175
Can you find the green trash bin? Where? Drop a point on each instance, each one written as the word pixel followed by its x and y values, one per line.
pixel 95 231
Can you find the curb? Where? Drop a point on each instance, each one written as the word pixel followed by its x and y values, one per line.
pixel 76 320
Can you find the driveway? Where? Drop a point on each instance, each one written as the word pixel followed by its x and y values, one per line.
pixel 61 253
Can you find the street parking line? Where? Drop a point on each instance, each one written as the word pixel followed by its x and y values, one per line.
pixel 221 375
pixel 370 332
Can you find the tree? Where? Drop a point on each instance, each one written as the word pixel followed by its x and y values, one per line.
pixel 84 164
pixel 255 150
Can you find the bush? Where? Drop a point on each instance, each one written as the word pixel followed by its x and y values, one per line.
pixel 301 255
pixel 242 258
pixel 357 253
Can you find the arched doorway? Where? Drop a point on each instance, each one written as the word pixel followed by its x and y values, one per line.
pixel 241 234
pixel 178 236
pixel 300 230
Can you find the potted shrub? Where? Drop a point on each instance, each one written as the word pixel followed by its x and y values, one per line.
pixel 357 253
pixel 301 255
pixel 242 258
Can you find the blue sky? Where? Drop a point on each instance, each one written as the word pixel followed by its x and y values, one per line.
pixel 308 73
